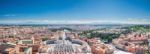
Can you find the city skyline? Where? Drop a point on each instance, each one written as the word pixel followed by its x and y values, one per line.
pixel 75 11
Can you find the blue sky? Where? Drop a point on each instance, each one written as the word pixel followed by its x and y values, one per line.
pixel 75 11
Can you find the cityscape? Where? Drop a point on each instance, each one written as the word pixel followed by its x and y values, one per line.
pixel 74 26
pixel 65 39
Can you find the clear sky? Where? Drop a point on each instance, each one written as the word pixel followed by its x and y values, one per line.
pixel 75 11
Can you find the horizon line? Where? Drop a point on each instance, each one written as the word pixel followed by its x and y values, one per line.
pixel 74 22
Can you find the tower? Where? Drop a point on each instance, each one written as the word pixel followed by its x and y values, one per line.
pixel 32 38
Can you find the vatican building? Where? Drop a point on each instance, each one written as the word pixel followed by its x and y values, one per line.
pixel 65 45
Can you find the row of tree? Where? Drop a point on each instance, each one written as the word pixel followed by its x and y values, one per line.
pixel 106 37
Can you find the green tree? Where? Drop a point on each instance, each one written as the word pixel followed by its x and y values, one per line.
pixel 45 38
